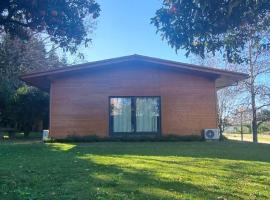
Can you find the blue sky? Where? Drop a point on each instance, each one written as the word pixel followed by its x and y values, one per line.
pixel 124 28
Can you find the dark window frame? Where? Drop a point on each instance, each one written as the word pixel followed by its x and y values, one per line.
pixel 133 117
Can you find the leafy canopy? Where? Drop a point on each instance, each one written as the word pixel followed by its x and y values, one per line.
pixel 30 106
pixel 23 107
pixel 203 26
pixel 62 20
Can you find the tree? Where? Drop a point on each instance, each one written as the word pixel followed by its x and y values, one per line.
pixel 263 116
pixel 17 101
pixel 255 90
pixel 61 20
pixel 17 57
pixel 30 107
pixel 251 94
pixel 225 107
pixel 239 30
pixel 203 26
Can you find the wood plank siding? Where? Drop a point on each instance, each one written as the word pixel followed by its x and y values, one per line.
pixel 80 102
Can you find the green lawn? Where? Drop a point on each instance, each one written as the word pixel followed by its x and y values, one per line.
pixel 262 138
pixel 146 170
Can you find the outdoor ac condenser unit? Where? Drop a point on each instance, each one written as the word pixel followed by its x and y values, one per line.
pixel 211 134
pixel 45 135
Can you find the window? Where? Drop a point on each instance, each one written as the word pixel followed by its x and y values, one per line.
pixel 121 112
pixel 147 114
pixel 131 115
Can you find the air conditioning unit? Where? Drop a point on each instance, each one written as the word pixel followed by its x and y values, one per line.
pixel 45 135
pixel 211 134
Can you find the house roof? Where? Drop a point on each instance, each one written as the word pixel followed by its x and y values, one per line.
pixel 223 78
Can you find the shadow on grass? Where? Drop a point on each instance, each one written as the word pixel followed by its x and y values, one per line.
pixel 230 150
pixel 113 170
pixel 112 180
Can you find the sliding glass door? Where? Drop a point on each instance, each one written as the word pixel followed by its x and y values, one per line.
pixel 134 115
pixel 147 114
pixel 121 115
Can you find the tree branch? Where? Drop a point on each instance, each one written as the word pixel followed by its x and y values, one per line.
pixel 264 105
pixel 53 49
pixel 264 120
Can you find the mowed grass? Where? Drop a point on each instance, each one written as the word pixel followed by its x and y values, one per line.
pixel 262 138
pixel 134 170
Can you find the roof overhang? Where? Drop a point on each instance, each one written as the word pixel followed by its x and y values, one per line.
pixel 223 78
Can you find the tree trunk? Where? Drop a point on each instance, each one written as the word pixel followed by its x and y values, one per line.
pixel 221 127
pixel 254 117
pixel 253 97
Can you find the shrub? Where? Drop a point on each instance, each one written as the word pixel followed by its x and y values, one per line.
pixel 94 138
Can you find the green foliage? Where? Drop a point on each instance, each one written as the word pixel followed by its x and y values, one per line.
pixel 5 98
pixel 62 20
pixel 33 135
pixel 29 106
pixel 263 116
pixel 91 138
pixel 19 104
pixel 264 127
pixel 142 170
pixel 203 26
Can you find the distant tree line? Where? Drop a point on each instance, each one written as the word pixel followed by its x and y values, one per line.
pixel 30 33
pixel 22 107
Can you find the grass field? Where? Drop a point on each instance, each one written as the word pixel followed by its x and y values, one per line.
pixel 146 170
pixel 262 138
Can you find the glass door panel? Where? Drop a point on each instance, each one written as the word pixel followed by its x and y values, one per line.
pixel 147 114
pixel 121 115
